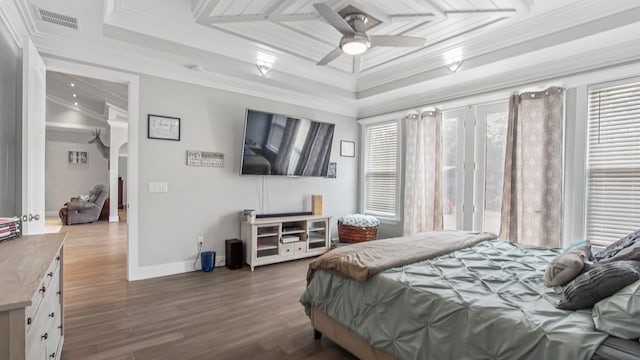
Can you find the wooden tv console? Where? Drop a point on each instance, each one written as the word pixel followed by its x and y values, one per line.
pixel 278 239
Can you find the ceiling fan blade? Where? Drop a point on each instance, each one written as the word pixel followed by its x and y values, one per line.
pixel 333 18
pixel 396 40
pixel 330 56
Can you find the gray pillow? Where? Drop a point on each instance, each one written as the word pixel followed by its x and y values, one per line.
pixel 618 314
pixel 601 280
pixel 566 266
pixel 627 248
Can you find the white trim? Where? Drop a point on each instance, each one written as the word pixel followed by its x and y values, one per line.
pixel 179 267
pixel 4 19
pixel 114 218
pixel 133 161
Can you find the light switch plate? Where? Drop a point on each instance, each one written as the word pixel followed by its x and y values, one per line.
pixel 158 187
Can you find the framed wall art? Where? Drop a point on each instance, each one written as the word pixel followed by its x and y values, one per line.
pixel 78 157
pixel 163 127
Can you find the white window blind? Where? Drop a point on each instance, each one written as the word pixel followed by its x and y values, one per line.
pixel 381 151
pixel 613 199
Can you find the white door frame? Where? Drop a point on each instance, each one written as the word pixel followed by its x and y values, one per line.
pixel 132 164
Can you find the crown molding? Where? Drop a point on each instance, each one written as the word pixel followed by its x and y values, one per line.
pixel 80 128
pixel 510 74
pixel 109 54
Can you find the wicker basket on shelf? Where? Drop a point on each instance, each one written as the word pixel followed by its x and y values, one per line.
pixel 360 232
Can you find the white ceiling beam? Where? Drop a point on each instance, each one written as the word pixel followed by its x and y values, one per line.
pixel 436 10
pixel 412 17
pixel 254 18
pixel 293 17
pixel 234 19
pixel 82 128
pixel 465 13
pixel 204 9
pixel 278 7
pixel 372 10
pixel 523 7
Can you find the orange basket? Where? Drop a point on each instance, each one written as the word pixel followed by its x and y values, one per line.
pixel 354 234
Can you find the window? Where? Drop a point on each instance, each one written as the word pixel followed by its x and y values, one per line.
pixel 613 162
pixel 381 170
pixel 474 146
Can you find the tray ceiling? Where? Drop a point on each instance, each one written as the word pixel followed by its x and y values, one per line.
pixel 219 43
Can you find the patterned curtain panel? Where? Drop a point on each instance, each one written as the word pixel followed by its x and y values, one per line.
pixel 423 173
pixel 532 190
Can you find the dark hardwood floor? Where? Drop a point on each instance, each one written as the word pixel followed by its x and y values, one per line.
pixel 223 314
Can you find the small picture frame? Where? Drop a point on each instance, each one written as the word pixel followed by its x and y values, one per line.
pixel 163 127
pixel 347 148
pixel 78 157
pixel 332 171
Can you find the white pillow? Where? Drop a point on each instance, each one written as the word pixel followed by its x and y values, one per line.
pixel 618 314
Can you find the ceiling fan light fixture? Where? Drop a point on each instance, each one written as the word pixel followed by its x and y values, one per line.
pixel 355 45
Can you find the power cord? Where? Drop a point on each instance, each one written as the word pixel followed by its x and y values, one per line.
pixel 197 257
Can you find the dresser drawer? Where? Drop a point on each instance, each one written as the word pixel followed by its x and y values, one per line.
pixel 47 285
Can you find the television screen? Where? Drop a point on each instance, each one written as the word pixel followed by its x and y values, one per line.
pixel 276 144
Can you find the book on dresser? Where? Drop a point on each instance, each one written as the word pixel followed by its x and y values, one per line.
pixel 272 240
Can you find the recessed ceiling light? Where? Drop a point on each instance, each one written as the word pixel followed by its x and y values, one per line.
pixel 264 69
pixel 74 95
pixel 454 66
pixel 72 85
pixel 75 103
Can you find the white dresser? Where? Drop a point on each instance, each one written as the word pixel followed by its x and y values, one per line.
pixel 31 297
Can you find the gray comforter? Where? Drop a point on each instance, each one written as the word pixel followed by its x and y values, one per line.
pixel 483 302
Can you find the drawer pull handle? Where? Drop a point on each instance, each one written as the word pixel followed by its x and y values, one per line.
pixel 52 356
pixel 52 315
pixel 58 292
pixel 43 289
pixel 45 336
pixel 57 258
pixel 29 320
pixel 50 274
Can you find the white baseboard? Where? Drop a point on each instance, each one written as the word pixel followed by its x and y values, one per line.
pixel 180 267
pixel 114 218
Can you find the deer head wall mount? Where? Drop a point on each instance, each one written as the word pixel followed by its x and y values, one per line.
pixel 104 150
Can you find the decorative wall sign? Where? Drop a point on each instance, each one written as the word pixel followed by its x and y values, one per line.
pixel 205 158
pixel 347 148
pixel 78 157
pixel 332 171
pixel 163 127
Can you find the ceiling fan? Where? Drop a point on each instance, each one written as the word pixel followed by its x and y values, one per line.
pixel 355 40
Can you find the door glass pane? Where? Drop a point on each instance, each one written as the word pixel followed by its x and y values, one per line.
pixel 496 141
pixel 449 171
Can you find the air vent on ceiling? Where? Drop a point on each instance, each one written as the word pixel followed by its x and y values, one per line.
pixel 58 19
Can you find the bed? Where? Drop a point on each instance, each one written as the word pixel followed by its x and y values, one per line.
pixel 469 296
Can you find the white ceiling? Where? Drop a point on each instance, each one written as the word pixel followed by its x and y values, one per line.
pixel 494 38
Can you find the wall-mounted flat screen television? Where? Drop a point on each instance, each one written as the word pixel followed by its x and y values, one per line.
pixel 276 144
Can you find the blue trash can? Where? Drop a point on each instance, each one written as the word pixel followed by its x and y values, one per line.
pixel 208 260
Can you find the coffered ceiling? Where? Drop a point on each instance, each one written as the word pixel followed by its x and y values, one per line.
pixel 219 43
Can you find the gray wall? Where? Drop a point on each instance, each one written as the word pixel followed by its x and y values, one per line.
pixel 207 201
pixel 10 75
pixel 64 180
